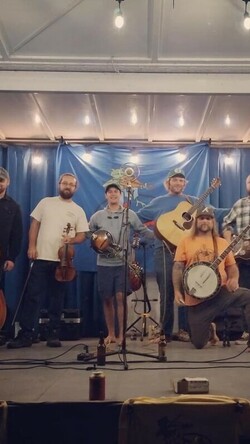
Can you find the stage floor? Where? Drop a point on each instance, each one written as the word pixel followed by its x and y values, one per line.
pixel 40 374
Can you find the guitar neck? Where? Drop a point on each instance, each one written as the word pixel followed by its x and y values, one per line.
pixel 230 247
pixel 200 200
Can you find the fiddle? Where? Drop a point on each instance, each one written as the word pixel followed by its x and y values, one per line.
pixel 65 271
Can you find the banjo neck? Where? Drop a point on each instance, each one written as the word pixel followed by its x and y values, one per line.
pixel 230 247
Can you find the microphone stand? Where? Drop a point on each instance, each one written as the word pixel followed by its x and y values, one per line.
pixel 146 301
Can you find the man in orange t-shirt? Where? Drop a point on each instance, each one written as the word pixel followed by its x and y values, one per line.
pixel 195 286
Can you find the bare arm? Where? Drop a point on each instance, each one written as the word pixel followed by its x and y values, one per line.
pixel 232 277
pixel 33 233
pixel 227 234
pixel 177 274
pixel 78 239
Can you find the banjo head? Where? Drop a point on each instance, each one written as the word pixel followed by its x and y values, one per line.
pixel 201 281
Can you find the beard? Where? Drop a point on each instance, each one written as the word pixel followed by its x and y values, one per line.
pixel 66 194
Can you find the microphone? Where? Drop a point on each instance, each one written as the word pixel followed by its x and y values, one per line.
pixel 129 171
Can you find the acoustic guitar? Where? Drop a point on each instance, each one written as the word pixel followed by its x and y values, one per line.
pixel 202 279
pixel 175 225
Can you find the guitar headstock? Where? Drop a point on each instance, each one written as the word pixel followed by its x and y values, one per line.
pixel 216 182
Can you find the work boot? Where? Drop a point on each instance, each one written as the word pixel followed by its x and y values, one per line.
pixel 53 339
pixel 53 342
pixel 21 340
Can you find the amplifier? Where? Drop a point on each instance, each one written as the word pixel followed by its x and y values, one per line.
pixel 70 325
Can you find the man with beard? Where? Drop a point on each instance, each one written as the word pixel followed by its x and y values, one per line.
pixel 233 223
pixel 163 254
pixel 204 244
pixel 55 221
pixel 11 232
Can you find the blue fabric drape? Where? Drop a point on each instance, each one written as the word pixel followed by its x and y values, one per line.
pixel 31 182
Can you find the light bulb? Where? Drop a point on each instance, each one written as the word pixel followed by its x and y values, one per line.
pixel 181 121
pixel 133 118
pixel 86 120
pixel 119 19
pixel 134 158
pixel 246 21
pixel 229 160
pixel 37 159
pixel 227 120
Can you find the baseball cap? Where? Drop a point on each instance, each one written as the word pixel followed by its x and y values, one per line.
pixel 113 185
pixel 176 172
pixel 4 174
pixel 205 211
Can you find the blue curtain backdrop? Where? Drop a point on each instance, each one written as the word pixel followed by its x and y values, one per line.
pixel 30 182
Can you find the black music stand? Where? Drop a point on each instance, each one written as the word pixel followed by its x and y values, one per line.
pixel 145 315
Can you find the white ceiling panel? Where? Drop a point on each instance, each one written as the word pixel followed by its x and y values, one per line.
pixel 177 72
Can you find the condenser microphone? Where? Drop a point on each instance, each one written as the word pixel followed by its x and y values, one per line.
pixel 129 171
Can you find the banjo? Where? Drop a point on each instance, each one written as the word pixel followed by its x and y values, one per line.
pixel 202 279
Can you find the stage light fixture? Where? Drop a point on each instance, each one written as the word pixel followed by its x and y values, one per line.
pixel 118 16
pixel 87 156
pixel 246 21
pixel 182 156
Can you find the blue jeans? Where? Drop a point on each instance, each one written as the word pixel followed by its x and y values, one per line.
pixel 42 283
pixel 163 267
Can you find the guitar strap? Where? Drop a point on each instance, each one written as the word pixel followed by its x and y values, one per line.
pixel 167 247
pixel 216 253
pixel 188 199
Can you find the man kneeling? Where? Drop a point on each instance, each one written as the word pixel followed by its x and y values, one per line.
pixel 205 278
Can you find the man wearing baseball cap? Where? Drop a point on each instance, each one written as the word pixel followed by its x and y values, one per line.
pixel 206 295
pixel 11 230
pixel 111 265
pixel 174 183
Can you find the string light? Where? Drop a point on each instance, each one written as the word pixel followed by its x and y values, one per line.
pixel 118 16
pixel 246 21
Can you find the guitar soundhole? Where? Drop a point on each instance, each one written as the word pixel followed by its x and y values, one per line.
pixel 186 216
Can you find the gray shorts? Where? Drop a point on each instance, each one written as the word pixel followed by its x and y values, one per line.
pixel 110 280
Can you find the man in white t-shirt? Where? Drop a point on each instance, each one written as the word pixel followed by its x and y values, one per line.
pixel 56 222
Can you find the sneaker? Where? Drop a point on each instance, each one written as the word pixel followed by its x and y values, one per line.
pixel 53 342
pixel 243 339
pixel 22 340
pixel 183 336
pixel 214 339
pixel 3 340
pixel 36 339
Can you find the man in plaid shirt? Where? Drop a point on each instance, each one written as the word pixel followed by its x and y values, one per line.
pixel 233 223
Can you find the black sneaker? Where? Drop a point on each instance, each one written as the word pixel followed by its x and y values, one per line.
pixel 36 339
pixel 53 342
pixel 3 340
pixel 22 340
